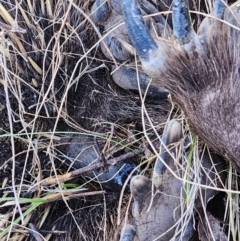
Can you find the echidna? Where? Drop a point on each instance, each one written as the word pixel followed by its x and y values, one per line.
pixel 53 79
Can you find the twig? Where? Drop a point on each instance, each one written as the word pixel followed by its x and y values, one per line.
pixel 8 27
pixel 77 172
pixel 102 156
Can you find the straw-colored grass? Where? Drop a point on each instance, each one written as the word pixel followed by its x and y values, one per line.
pixel 37 80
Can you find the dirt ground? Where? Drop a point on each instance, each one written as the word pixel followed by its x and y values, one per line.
pixel 58 99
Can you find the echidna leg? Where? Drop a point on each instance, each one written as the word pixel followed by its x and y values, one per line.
pixel 100 11
pixel 172 134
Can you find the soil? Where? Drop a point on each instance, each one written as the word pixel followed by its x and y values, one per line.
pixel 86 103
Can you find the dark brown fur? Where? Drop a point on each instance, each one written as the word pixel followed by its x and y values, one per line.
pixel 207 89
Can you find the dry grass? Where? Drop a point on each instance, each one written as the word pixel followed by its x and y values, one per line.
pixel 31 128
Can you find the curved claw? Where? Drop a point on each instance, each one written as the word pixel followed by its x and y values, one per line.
pixel 150 9
pixel 127 78
pixel 182 27
pixel 219 7
pixel 100 11
pixel 138 32
pixel 152 53
pixel 120 49
pixel 128 233
pixel 140 187
pixel 172 134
